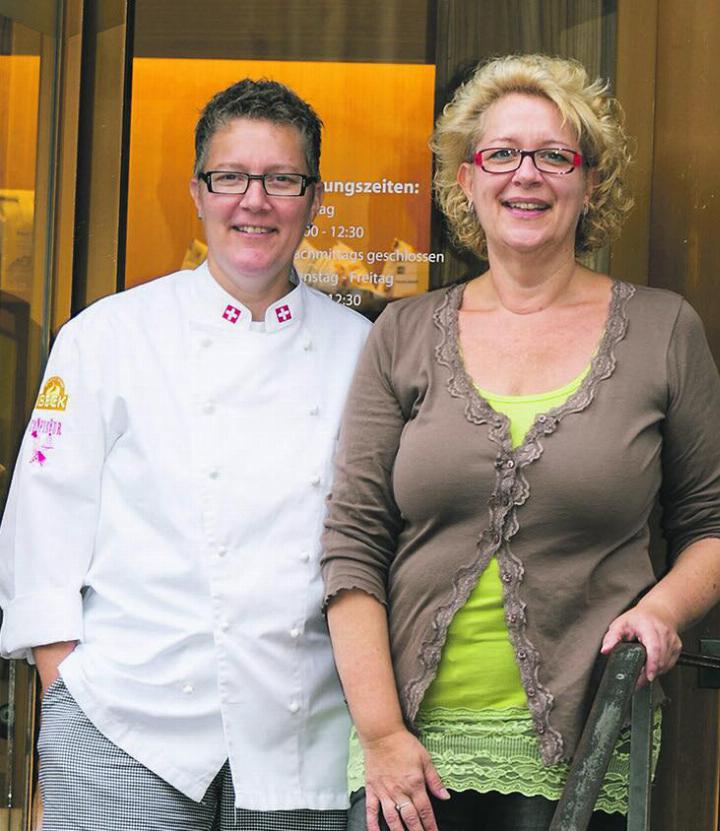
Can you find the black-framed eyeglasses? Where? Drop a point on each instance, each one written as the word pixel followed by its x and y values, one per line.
pixel 555 160
pixel 274 184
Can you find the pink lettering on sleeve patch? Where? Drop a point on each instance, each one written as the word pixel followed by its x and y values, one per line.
pixel 44 433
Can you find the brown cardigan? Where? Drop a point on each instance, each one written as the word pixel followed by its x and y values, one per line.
pixel 429 488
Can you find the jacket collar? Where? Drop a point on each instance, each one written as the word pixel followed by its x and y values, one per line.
pixel 216 307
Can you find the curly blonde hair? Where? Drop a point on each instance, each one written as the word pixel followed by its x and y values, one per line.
pixel 593 113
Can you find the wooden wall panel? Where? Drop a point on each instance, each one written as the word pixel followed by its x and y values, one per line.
pixel 684 256
pixel 304 30
pixel 636 50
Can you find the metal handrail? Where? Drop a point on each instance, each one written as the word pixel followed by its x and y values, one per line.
pixel 600 734
pixel 602 728
pixel 691 659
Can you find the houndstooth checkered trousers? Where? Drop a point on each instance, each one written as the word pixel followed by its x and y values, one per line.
pixel 90 784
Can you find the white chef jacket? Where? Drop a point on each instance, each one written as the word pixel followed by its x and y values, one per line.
pixel 166 511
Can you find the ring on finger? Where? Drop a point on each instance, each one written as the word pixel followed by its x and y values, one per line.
pixel 400 805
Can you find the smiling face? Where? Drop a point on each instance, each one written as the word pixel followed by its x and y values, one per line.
pixel 252 237
pixel 526 211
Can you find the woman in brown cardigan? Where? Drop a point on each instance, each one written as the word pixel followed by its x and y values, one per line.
pixel 504 444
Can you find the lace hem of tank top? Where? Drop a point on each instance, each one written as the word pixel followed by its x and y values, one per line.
pixel 497 750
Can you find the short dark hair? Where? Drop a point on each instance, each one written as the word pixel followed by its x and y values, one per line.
pixel 264 100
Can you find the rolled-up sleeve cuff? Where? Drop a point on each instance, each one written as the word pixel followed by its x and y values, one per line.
pixel 346 576
pixel 40 618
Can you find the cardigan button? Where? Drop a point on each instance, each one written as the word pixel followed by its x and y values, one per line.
pixel 531 692
pixel 510 464
pixel 540 728
pixel 522 654
pixel 512 617
pixel 506 577
pixel 542 419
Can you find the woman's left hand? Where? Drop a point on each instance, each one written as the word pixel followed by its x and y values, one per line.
pixel 653 626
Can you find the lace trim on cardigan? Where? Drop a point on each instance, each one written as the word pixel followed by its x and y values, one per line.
pixel 511 491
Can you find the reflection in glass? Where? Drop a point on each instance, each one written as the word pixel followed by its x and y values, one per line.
pixel 19 99
pixel 369 243
pixel 22 320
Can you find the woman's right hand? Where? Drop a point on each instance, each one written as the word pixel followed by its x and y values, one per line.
pixel 399 772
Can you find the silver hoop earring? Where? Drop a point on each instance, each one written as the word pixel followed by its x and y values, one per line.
pixel 469 208
pixel 585 210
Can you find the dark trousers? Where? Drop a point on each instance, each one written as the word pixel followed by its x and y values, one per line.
pixel 472 811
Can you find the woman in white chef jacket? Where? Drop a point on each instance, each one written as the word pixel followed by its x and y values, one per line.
pixel 158 554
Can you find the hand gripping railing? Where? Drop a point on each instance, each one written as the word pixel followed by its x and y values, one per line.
pixel 600 734
pixel 598 739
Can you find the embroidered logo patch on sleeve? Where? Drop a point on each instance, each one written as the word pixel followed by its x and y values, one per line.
pixel 45 433
pixel 53 395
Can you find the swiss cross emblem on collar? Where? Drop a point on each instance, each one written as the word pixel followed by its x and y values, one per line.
pixel 231 314
pixel 283 313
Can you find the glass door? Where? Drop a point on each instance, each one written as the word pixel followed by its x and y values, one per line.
pixel 371 79
pixel 28 72
pixel 377 74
